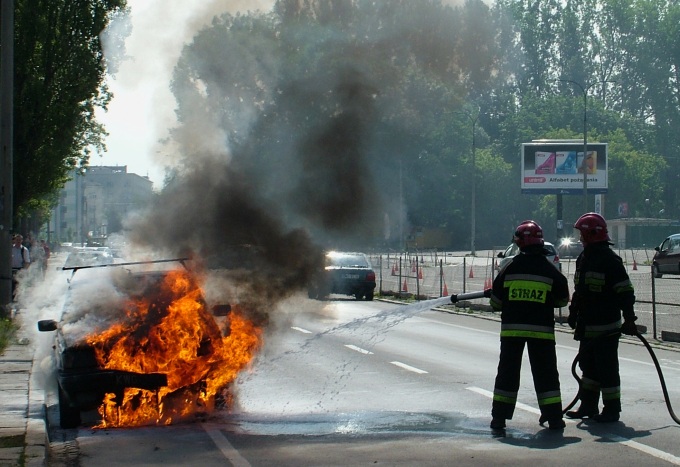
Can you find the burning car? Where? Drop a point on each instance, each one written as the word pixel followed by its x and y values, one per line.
pixel 143 347
pixel 347 273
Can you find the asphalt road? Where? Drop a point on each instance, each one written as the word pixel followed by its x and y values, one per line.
pixel 342 382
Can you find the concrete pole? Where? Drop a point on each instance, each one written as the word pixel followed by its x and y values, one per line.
pixel 6 152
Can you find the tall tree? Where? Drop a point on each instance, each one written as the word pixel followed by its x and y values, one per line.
pixel 59 80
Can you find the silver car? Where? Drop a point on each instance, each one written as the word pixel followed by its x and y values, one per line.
pixel 512 250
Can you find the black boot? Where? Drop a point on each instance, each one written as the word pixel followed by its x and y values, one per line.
pixel 583 412
pixel 588 407
pixel 607 416
pixel 497 423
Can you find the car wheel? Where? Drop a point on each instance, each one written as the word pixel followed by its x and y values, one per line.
pixel 358 295
pixel 655 271
pixel 69 417
pixel 369 296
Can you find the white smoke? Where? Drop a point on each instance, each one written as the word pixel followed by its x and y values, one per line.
pixel 141 112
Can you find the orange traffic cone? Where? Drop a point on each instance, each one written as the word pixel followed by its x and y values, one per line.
pixel 634 265
pixel 420 273
pixel 471 275
pixel 487 283
pixel 413 266
pixel 404 288
pixel 445 292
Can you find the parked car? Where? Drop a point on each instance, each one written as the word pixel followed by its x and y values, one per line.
pixel 569 248
pixel 90 309
pixel 667 257
pixel 79 257
pixel 347 273
pixel 512 250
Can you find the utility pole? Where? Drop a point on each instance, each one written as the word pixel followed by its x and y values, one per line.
pixel 584 90
pixel 473 207
pixel 6 152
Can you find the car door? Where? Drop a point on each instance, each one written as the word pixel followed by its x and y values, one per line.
pixel 669 255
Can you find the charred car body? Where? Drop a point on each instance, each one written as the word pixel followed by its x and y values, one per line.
pixel 82 380
pixel 347 273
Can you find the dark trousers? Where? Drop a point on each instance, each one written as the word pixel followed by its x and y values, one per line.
pixel 543 362
pixel 599 363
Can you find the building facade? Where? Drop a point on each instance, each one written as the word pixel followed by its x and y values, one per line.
pixel 94 205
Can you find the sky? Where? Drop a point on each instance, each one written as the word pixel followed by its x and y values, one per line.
pixel 142 109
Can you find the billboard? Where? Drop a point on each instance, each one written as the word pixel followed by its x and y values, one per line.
pixel 556 167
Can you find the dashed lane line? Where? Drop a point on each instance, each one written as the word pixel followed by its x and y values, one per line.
pixel 225 446
pixel 409 367
pixel 358 349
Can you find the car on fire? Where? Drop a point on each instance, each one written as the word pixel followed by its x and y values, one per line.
pixel 346 273
pixel 512 250
pixel 666 259
pixel 82 381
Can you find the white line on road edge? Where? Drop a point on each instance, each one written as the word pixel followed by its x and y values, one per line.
pixel 359 349
pixel 409 367
pixel 627 442
pixel 301 330
pixel 225 447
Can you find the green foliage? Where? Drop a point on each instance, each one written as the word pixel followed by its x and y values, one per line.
pixel 59 75
pixel 320 98
pixel 7 332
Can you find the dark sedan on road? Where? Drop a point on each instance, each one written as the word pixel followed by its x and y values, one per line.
pixel 667 257
pixel 347 273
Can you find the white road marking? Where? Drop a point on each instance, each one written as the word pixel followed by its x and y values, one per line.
pixel 359 349
pixel 409 367
pixel 301 330
pixel 625 441
pixel 225 447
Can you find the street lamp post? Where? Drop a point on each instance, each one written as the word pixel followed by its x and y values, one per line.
pixel 584 91
pixel 473 207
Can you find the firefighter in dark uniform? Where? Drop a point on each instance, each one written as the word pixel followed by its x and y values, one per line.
pixel 526 292
pixel 602 292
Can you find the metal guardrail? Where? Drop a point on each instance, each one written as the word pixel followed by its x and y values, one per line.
pixel 425 275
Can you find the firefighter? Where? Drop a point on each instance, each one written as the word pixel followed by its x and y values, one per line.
pixel 602 292
pixel 526 291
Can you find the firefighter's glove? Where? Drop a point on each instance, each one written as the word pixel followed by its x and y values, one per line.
pixel 487 293
pixel 629 328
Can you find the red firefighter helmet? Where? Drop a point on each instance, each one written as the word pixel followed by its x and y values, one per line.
pixel 593 228
pixel 528 233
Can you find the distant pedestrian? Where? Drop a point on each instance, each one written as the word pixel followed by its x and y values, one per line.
pixel 21 259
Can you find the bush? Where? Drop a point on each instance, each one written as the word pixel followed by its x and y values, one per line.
pixel 7 331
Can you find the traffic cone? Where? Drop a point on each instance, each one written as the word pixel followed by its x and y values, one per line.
pixel 487 283
pixel 445 292
pixel 634 265
pixel 420 273
pixel 404 288
pixel 471 275
pixel 413 266
pixel 394 269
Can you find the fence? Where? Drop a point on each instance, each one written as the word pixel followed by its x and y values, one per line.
pixel 433 274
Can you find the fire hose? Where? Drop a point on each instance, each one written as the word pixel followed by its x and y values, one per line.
pixel 487 293
pixel 662 380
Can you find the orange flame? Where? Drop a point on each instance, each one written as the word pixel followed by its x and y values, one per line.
pixel 170 331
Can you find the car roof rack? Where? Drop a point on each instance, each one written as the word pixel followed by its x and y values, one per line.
pixel 74 269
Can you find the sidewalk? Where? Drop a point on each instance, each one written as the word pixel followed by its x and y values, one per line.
pixel 23 434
